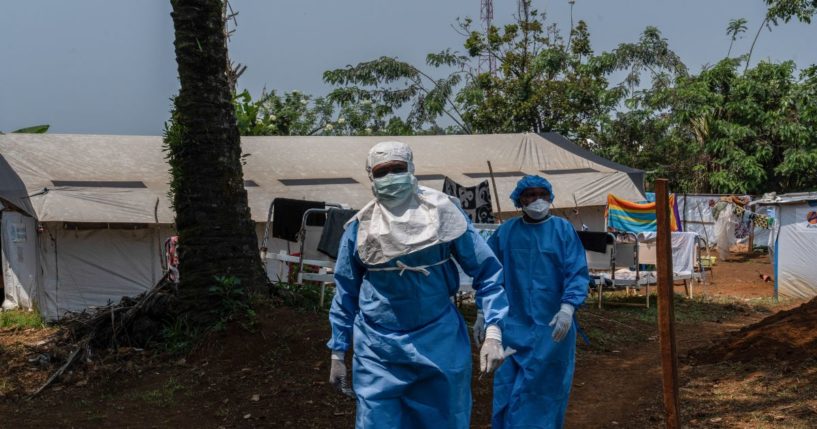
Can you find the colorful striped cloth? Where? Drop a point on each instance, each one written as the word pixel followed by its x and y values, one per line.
pixel 627 216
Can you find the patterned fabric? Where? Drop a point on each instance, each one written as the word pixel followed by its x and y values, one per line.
pixel 476 200
pixel 747 218
pixel 627 216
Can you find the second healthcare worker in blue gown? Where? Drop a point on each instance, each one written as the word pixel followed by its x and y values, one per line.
pixel 395 276
pixel 546 279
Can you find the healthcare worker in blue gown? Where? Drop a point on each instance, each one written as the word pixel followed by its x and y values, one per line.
pixel 395 276
pixel 546 279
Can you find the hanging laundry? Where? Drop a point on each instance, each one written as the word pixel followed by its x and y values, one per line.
pixel 627 216
pixel 476 200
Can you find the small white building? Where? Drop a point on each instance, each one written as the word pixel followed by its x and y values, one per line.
pixel 793 242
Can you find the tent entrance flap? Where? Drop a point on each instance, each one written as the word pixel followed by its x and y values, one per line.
pixel 19 260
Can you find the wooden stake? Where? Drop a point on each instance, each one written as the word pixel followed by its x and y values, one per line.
pixel 666 311
pixel 496 193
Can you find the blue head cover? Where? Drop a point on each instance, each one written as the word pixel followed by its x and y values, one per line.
pixel 530 182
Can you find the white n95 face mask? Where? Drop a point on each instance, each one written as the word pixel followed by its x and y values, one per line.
pixel 538 209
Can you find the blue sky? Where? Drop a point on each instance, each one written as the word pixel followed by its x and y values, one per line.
pixel 108 66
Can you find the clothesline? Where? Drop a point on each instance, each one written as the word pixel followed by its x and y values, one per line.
pixel 758 220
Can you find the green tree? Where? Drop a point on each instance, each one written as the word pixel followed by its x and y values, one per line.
pixel 539 85
pixel 720 131
pixel 388 84
pixel 733 30
pixel 783 10
pixel 542 83
pixel 295 113
pixel 216 233
pixel 35 129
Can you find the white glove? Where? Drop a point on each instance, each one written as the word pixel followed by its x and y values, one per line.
pixel 561 322
pixel 479 328
pixel 491 353
pixel 337 374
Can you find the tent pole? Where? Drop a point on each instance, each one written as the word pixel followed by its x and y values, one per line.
pixel 496 193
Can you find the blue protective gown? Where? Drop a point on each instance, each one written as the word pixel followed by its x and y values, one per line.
pixel 412 356
pixel 545 266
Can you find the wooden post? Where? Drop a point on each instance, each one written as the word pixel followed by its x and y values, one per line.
pixel 751 244
pixel 496 193
pixel 666 312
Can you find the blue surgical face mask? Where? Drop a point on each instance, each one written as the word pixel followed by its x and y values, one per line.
pixel 538 209
pixel 394 189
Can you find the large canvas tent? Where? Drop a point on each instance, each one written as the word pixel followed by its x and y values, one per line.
pixel 93 210
pixel 793 242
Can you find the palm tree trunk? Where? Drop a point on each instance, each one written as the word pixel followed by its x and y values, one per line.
pixel 752 48
pixel 216 234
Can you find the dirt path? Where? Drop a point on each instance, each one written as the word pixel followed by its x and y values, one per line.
pixel 623 388
pixel 610 390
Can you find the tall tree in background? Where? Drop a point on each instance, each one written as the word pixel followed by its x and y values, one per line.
pixel 542 82
pixel 733 30
pixel 217 236
pixel 782 10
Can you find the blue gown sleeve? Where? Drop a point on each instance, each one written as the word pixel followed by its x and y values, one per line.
pixel 493 243
pixel 574 263
pixel 478 261
pixel 348 278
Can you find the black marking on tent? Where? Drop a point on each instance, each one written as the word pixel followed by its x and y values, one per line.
pixel 100 183
pixel 250 184
pixel 430 176
pixel 570 171
pixel 319 181
pixel 496 174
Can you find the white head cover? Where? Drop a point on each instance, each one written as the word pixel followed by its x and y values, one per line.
pixel 389 151
pixel 428 218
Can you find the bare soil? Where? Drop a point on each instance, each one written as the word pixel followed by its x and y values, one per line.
pixel 275 376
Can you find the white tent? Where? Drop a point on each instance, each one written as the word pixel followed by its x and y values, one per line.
pixel 794 242
pixel 96 207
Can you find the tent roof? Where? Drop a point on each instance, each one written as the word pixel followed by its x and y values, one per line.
pixel 99 178
pixel 792 198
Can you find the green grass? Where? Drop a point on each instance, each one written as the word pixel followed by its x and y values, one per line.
pixel 164 396
pixel 305 297
pixel 22 319
pixel 699 309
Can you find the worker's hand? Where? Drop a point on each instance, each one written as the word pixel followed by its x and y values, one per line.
pixel 561 322
pixel 479 328
pixel 337 374
pixel 491 353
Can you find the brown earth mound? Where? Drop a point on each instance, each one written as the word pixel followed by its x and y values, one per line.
pixel 785 336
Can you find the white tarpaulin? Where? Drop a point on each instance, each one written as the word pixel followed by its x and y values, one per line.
pixel 85 268
pixel 96 178
pixel 19 260
pixel 795 243
pixel 683 251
